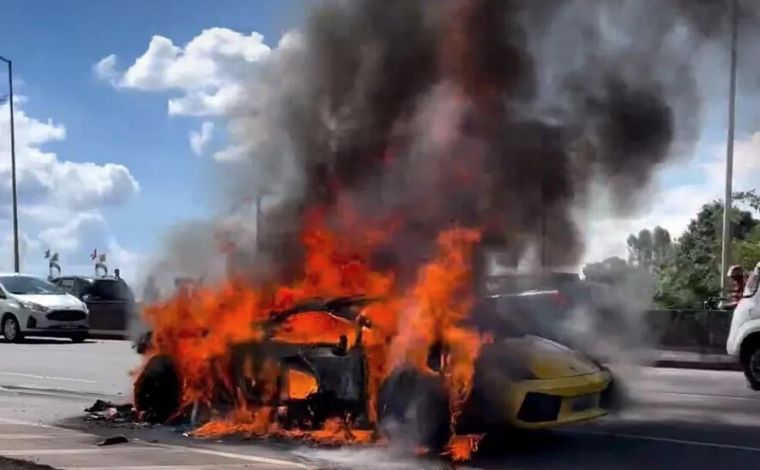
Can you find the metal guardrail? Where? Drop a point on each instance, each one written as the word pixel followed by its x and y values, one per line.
pixel 696 330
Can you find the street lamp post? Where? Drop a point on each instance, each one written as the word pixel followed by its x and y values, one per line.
pixel 13 165
pixel 726 245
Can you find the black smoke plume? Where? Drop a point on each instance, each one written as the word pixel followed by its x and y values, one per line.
pixel 499 114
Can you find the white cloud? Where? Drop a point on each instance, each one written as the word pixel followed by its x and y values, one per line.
pixel 220 72
pixel 59 200
pixel 673 207
pixel 105 69
pixel 208 71
pixel 231 153
pixel 200 139
pixel 44 179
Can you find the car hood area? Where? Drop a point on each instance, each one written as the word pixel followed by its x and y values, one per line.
pixel 52 301
pixel 544 358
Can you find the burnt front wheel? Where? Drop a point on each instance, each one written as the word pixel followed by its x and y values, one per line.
pixel 157 390
pixel 413 407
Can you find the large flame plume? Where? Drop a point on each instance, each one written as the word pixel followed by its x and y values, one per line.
pixel 398 138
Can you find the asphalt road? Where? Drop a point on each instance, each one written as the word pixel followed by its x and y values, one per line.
pixel 677 418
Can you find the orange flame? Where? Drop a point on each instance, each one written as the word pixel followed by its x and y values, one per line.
pixel 462 447
pixel 198 327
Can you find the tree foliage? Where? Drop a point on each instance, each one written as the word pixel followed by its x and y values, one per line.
pixel 692 274
pixel 687 270
pixel 610 271
pixel 650 249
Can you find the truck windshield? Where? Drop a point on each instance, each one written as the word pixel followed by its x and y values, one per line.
pixel 110 290
pixel 754 280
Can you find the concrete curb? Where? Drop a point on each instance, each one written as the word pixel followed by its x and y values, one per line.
pixel 712 365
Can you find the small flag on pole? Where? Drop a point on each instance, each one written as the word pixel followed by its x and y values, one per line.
pixel 47 254
pixel 94 254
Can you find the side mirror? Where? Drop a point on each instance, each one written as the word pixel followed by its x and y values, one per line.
pixel 2 295
pixel 86 297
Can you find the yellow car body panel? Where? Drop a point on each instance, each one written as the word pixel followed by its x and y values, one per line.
pixel 570 381
pixel 570 390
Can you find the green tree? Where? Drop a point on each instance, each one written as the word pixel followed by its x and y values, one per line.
pixel 692 274
pixel 750 198
pixel 747 252
pixel 650 249
pixel 662 245
pixel 610 271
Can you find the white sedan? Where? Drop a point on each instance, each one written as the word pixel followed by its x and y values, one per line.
pixel 32 306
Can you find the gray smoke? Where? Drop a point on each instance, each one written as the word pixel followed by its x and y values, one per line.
pixel 490 113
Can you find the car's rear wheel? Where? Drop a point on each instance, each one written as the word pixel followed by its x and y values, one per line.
pixel 79 338
pixel 11 329
pixel 413 407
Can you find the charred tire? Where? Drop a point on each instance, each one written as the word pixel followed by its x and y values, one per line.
pixel 750 357
pixel 11 329
pixel 157 390
pixel 414 407
pixel 79 338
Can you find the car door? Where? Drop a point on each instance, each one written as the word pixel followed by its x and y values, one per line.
pixel 109 308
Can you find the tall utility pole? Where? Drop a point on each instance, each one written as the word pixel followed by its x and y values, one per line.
pixel 725 258
pixel 13 166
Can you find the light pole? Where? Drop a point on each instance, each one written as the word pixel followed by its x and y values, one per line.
pixel 13 165
pixel 725 258
pixel 258 224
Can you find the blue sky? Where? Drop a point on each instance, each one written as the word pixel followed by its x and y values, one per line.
pixel 54 46
pixel 146 175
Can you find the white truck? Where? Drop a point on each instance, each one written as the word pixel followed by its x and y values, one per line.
pixel 744 337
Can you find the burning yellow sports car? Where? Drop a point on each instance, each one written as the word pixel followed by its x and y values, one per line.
pixel 519 380
pixel 532 382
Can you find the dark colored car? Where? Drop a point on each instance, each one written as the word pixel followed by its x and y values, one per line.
pixel 559 306
pixel 109 299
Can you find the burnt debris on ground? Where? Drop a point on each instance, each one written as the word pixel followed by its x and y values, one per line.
pixel 112 413
pixel 113 440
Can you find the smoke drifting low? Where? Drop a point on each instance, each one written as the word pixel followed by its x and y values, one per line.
pixel 490 113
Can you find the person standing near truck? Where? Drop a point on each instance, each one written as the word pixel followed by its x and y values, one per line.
pixel 739 277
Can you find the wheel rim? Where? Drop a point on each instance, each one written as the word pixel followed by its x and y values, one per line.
pixel 754 365
pixel 10 330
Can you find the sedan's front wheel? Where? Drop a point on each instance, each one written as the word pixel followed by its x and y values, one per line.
pixel 11 329
pixel 79 337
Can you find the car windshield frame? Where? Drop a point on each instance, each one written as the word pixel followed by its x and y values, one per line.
pixel 34 286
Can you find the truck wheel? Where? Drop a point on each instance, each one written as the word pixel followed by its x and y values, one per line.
pixel 751 366
pixel 413 407
pixel 11 329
